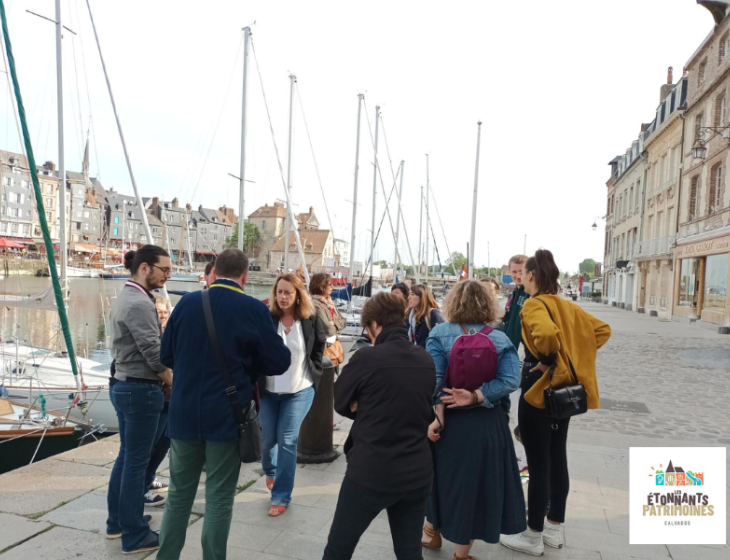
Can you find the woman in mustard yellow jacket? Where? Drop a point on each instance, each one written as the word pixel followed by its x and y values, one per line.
pixel 575 335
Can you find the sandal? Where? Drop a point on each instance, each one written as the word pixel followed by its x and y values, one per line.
pixel 269 483
pixel 276 511
pixel 431 537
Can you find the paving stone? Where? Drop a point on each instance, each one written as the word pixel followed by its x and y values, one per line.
pixel 253 508
pixel 89 513
pixel 101 453
pixel 45 485
pixel 61 543
pixel 15 529
pixel 608 542
pixel 593 519
pixel 339 465
pixel 242 536
pixel 311 547
pixel 698 552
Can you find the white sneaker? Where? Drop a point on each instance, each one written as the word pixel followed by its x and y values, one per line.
pixel 528 542
pixel 552 535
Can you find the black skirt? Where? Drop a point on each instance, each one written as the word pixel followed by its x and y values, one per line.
pixel 477 492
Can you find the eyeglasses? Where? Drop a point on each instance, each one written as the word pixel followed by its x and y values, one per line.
pixel 164 269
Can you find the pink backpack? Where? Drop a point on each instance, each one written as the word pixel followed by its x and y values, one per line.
pixel 472 361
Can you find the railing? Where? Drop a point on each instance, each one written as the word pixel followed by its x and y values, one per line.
pixel 658 246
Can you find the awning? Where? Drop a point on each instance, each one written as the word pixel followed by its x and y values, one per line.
pixel 8 244
pixel 84 248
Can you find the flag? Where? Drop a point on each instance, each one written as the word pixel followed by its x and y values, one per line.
pixel 464 272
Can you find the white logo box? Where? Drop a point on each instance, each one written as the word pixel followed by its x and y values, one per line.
pixel 677 495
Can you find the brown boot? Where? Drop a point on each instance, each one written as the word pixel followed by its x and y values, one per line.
pixel 431 537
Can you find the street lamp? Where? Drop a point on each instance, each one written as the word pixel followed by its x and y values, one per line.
pixel 699 149
pixel 594 227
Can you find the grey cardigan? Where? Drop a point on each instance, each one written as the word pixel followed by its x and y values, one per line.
pixel 136 335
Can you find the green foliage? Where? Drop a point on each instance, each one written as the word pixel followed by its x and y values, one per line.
pixel 251 231
pixel 588 268
pixel 456 259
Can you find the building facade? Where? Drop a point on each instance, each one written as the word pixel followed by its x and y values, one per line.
pixel 702 254
pixel 16 198
pixel 625 225
pixel 655 257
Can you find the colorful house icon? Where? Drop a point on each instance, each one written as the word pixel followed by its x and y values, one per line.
pixel 671 476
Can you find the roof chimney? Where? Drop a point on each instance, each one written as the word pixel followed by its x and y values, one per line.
pixel 311 209
pixel 50 166
pixel 175 202
pixel 670 75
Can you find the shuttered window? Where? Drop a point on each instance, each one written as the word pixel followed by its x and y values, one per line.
pixel 698 123
pixel 719 109
pixel 722 49
pixel 701 72
pixel 693 197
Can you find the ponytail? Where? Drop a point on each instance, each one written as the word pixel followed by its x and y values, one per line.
pixel 546 272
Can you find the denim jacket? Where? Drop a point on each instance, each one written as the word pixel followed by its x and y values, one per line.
pixel 442 338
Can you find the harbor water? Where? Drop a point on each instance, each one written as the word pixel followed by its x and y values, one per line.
pixel 88 308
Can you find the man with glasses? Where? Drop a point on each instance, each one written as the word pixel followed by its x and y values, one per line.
pixel 136 393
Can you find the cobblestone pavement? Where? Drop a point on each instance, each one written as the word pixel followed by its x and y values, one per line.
pixel 681 373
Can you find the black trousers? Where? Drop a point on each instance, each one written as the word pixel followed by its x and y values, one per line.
pixel 547 457
pixel 357 506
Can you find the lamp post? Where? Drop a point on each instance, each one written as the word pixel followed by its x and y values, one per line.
pixel 699 148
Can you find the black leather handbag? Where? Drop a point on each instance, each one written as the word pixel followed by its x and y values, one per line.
pixel 564 402
pixel 247 419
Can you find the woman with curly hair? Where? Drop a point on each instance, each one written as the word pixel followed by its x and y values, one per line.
pixel 287 398
pixel 477 492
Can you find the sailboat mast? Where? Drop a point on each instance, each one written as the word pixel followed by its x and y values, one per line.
pixel 360 98
pixel 397 222
pixel 63 237
pixel 474 204
pixel 420 242
pixel 242 198
pixel 375 190
pixel 428 188
pixel 289 225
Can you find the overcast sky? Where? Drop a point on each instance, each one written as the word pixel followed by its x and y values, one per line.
pixel 561 87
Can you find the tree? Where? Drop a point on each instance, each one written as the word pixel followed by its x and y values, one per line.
pixel 456 259
pixel 587 268
pixel 382 264
pixel 251 231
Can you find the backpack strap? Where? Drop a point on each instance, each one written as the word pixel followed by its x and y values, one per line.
pixel 463 326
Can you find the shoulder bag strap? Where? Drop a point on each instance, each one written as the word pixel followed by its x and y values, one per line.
pixel 570 363
pixel 228 383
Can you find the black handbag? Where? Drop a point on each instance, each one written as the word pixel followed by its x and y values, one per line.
pixel 247 419
pixel 564 402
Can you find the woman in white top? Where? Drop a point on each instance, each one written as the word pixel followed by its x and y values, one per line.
pixel 287 398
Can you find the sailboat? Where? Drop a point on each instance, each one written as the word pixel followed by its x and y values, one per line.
pixel 29 431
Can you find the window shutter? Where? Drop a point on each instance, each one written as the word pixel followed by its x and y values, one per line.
pixel 693 198
pixel 718 111
pixel 698 123
pixel 711 190
pixel 721 49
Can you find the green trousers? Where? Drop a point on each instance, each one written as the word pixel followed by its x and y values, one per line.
pixel 222 467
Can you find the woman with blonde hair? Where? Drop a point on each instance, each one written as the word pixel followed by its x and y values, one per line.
pixel 477 493
pixel 286 399
pixel 423 314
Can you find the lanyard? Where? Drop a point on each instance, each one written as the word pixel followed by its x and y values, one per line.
pixel 239 290
pixel 135 285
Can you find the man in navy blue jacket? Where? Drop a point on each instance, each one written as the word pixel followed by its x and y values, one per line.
pixel 201 422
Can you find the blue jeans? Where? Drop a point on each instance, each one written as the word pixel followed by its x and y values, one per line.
pixel 138 407
pixel 281 417
pixel 159 450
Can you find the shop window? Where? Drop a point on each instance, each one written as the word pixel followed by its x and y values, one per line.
pixel 689 283
pixel 715 282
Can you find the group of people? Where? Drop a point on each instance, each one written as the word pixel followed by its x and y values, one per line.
pixel 421 446
pixel 274 354
pixel 463 477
